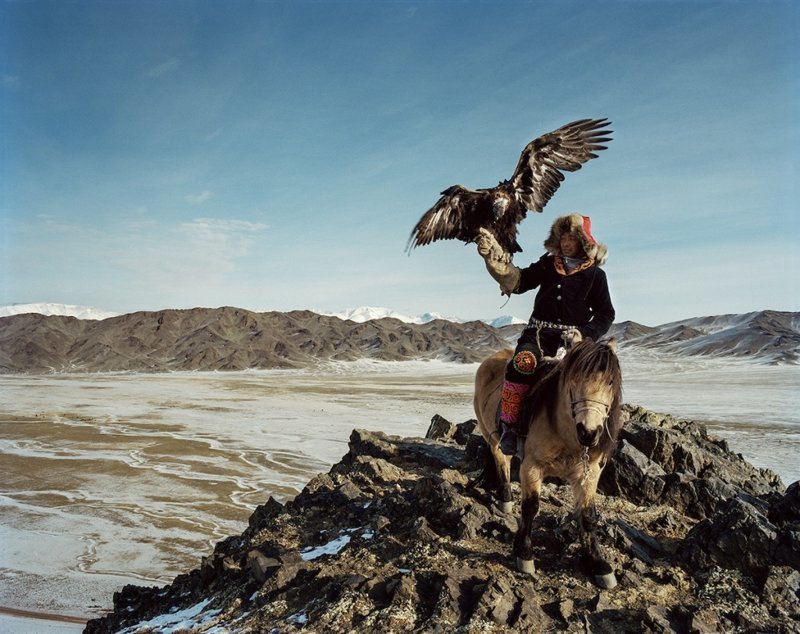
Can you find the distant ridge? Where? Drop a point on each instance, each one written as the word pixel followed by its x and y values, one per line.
pixel 358 315
pixel 236 339
pixel 768 336
pixel 228 339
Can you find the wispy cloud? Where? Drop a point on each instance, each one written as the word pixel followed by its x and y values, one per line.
pixel 199 199
pixel 164 68
pixel 220 241
pixel 192 263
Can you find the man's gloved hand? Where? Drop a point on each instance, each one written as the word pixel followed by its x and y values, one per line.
pixel 498 262
pixel 572 337
pixel 490 249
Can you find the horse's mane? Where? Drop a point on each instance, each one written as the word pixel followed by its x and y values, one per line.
pixel 586 358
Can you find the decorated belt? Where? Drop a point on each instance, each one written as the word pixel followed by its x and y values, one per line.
pixel 538 323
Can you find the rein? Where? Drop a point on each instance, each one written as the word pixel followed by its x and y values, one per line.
pixel 585 463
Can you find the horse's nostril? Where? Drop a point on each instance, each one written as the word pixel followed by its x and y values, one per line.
pixel 585 437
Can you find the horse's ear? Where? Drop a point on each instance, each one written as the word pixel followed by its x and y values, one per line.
pixel 612 343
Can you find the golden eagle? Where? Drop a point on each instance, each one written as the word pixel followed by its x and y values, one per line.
pixel 461 212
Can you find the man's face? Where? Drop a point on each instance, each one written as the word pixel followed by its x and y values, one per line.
pixel 570 246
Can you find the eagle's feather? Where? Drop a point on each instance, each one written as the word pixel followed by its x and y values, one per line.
pixel 461 212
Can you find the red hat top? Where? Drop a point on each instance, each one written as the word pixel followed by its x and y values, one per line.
pixel 587 229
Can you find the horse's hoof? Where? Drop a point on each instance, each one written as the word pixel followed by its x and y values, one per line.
pixel 606 581
pixel 526 565
pixel 507 507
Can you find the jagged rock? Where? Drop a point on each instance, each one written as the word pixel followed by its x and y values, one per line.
pixel 697 497
pixel 395 537
pixel 781 590
pixel 638 543
pixel 261 567
pixel 705 622
pixel 264 514
pixel 740 536
pixel 787 507
pixel 440 429
pixel 661 459
pixel 633 471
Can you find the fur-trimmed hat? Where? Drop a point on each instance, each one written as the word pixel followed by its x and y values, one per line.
pixel 581 227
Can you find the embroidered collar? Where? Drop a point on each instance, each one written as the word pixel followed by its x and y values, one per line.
pixel 561 269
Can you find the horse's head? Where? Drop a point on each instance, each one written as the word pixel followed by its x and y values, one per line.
pixel 592 382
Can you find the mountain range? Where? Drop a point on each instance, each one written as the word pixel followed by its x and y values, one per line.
pixel 359 315
pixel 235 339
pixel 768 336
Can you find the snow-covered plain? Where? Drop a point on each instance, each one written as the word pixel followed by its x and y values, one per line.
pixel 110 479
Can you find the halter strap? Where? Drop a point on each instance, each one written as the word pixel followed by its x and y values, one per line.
pixel 594 403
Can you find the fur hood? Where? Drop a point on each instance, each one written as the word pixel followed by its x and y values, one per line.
pixel 581 226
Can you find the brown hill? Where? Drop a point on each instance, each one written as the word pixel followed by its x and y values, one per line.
pixel 227 339
pixel 767 336
pixel 236 339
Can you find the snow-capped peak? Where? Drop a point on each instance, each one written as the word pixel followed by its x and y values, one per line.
pixel 66 310
pixel 368 313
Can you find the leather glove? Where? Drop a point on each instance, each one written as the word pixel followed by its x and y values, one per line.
pixel 498 262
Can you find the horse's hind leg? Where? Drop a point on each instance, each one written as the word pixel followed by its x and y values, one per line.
pixel 531 484
pixel 587 517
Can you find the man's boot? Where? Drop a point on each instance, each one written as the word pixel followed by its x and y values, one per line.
pixel 508 440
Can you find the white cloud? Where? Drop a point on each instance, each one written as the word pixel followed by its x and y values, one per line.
pixel 199 199
pixel 200 262
pixel 220 241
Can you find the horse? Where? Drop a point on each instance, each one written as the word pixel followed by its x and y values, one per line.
pixel 572 432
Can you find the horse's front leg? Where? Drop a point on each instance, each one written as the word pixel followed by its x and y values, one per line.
pixel 504 492
pixel 530 479
pixel 584 490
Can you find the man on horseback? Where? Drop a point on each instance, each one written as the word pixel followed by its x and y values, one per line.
pixel 572 302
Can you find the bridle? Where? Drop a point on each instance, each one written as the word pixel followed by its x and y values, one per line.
pixel 594 405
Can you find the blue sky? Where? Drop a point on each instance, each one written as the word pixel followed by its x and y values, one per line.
pixel 276 155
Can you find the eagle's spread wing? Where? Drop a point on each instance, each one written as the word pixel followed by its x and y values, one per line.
pixel 538 174
pixel 461 212
pixel 457 214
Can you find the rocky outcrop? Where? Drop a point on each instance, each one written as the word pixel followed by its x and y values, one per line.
pixel 663 460
pixel 397 537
